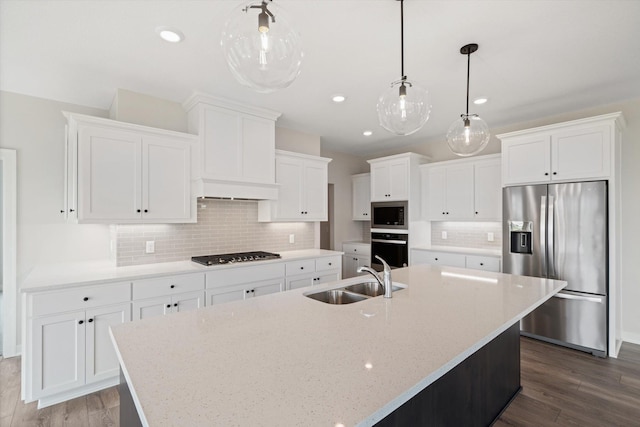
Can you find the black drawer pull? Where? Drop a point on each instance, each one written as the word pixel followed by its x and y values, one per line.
pixel 81 322
pixel 168 305
pixel 90 320
pixel 85 299
pixel 172 286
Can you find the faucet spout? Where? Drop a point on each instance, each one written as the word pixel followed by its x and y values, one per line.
pixel 385 282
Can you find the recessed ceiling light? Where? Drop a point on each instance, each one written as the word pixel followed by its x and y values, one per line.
pixel 170 35
pixel 338 98
pixel 480 100
pixel 367 133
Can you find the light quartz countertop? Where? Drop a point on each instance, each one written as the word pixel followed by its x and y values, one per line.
pixel 285 359
pixel 461 250
pixel 63 275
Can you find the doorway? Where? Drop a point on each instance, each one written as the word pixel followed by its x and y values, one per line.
pixel 8 286
pixel 326 227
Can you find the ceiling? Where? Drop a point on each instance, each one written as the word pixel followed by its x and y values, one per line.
pixel 536 58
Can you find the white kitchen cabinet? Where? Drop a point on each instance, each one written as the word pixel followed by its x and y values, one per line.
pixel 390 180
pixel 463 190
pixel 127 173
pixel 68 347
pixel 303 194
pixel 312 272
pixel 455 259
pixel 361 193
pixel 236 151
pixel 244 291
pixel 167 294
pixel 571 151
pixel 233 284
pixel 486 263
pixel 159 306
pixel 356 255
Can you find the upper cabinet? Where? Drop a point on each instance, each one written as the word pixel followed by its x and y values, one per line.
pixel 124 173
pixel 463 190
pixel 396 177
pixel 361 192
pixel 236 154
pixel 572 151
pixel 303 194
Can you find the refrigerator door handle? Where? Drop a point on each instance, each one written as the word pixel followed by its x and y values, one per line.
pixel 551 253
pixel 543 232
pixel 578 297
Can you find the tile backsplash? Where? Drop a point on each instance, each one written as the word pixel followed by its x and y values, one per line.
pixel 223 226
pixel 467 234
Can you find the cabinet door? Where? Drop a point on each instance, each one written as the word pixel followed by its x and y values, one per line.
pixel 399 179
pixel 221 152
pixel 326 278
pixel 459 192
pixel 151 307
pixel 362 261
pixel 488 190
pixel 166 179
pixel 102 362
pixel 58 353
pixel 222 295
pixel 267 287
pixel 109 175
pixel 188 301
pixel 299 282
pixel 526 159
pixel 349 266
pixel 289 174
pixel 314 191
pixel 361 193
pixel 380 180
pixel 582 153
pixel 436 193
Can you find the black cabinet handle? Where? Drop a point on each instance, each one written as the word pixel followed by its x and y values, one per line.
pixel 253 290
pixel 249 291
pixel 62 211
pixel 476 212
pixel 175 305
pixel 138 210
pixel 90 320
pixel 146 210
pixel 301 268
pixel 330 264
pixel 482 263
pixel 546 174
pixel 81 322
pixel 436 259
pixel 168 305
pixel 555 173
pixel 71 210
pixel 85 299
pixel 172 286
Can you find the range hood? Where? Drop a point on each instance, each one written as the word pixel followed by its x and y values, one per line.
pixel 238 190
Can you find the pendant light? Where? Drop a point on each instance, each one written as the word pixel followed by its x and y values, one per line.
pixel 262 50
pixel 403 108
pixel 469 134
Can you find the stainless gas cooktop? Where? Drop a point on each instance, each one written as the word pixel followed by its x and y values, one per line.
pixel 234 257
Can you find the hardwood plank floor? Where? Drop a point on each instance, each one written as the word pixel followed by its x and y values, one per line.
pixel 560 387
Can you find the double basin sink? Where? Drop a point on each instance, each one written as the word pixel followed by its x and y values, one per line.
pixel 351 293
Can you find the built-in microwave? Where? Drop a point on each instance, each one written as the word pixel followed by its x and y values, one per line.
pixel 389 215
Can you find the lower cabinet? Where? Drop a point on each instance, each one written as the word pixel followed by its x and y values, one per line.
pixel 160 306
pixel 71 350
pixel 451 259
pixel 311 272
pixel 244 291
pixel 351 264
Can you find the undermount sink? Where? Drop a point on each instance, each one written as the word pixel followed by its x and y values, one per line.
pixel 352 293
pixel 372 289
pixel 337 296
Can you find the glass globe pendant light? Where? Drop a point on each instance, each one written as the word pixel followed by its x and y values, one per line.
pixel 469 134
pixel 404 107
pixel 262 50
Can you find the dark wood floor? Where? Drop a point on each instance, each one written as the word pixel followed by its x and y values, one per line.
pixel 560 387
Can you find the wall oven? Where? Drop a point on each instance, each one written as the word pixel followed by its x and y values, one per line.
pixel 392 215
pixel 392 247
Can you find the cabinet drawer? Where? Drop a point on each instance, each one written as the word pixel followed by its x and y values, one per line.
pixel 437 258
pixel 167 285
pixel 329 263
pixel 483 263
pixel 356 248
pixel 300 267
pixel 79 298
pixel 239 275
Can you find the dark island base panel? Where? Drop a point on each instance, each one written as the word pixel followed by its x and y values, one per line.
pixel 474 393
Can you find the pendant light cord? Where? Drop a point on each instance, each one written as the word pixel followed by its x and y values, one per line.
pixel 468 71
pixel 402 40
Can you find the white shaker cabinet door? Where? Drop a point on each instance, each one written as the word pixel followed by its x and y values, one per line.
pixel 583 152
pixel 289 174
pixel 58 353
pixel 268 287
pixel 153 307
pixel 380 189
pixel 488 190
pixel 109 174
pixel 526 159
pixel 399 179
pixel 222 295
pixel 188 301
pixel 361 194
pixel 166 179
pixel 102 362
pixel 314 192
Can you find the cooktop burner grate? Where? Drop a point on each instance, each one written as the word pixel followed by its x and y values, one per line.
pixel 234 257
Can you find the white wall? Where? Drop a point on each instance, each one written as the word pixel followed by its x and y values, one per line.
pixel 630 274
pixel 340 170
pixel 298 142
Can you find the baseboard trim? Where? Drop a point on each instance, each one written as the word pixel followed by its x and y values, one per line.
pixel 77 392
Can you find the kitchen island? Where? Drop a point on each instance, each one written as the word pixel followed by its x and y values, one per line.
pixel 286 359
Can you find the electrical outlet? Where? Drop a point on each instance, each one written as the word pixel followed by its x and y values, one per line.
pixel 444 235
pixel 292 238
pixel 489 237
pixel 151 247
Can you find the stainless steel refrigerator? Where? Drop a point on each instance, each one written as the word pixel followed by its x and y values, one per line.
pixel 560 231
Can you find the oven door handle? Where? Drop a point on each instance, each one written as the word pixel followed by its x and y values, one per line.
pixel 394 242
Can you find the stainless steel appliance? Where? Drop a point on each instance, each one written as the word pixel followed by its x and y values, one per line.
pixel 391 215
pixel 392 247
pixel 234 257
pixel 559 231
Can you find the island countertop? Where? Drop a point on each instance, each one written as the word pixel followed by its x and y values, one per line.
pixel 284 359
